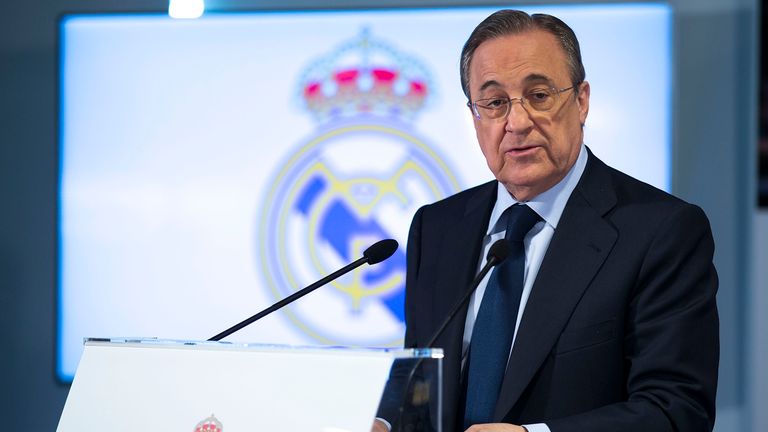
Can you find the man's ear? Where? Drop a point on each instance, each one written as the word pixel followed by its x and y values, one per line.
pixel 583 100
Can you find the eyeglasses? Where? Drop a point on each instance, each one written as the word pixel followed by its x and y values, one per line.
pixel 538 99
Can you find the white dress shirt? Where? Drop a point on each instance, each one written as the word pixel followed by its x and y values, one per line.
pixel 549 206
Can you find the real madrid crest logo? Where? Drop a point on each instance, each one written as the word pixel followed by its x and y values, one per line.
pixel 357 180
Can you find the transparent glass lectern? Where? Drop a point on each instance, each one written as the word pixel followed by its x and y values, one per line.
pixel 150 384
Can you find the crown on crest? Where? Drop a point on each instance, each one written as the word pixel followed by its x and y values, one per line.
pixel 365 76
pixel 210 424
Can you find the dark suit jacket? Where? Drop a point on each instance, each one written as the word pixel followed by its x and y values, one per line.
pixel 620 332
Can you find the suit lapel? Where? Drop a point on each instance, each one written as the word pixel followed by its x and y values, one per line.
pixel 579 246
pixel 461 247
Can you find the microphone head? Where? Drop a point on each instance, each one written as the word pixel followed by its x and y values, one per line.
pixel 380 251
pixel 498 251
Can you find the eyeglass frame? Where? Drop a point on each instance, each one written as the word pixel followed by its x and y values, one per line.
pixel 555 93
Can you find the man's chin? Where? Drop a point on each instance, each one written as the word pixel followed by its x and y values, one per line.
pixel 524 184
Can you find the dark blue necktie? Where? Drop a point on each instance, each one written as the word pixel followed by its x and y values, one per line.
pixel 495 322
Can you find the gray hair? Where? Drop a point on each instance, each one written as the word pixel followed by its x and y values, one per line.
pixel 509 22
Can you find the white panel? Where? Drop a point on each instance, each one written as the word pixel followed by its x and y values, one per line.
pixel 134 387
pixel 189 156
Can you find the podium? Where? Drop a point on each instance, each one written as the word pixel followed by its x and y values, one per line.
pixel 196 386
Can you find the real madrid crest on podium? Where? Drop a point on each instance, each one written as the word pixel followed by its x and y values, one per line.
pixel 357 179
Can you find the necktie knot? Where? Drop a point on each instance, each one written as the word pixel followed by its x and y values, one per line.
pixel 520 220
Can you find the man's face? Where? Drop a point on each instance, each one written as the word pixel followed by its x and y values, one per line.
pixel 528 151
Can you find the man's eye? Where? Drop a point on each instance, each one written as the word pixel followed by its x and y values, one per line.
pixel 538 95
pixel 495 103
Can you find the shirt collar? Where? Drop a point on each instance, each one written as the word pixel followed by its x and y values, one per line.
pixel 548 204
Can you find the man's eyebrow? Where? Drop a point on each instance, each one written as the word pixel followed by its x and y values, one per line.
pixel 529 79
pixel 536 78
pixel 490 83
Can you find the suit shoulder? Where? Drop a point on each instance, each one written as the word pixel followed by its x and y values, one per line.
pixel 458 202
pixel 642 199
pixel 632 187
pixel 599 176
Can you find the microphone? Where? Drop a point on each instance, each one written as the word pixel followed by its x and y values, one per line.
pixel 380 251
pixel 496 254
pixel 375 254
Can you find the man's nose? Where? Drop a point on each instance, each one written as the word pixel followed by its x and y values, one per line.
pixel 518 117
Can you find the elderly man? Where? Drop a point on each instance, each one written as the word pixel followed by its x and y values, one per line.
pixel 603 317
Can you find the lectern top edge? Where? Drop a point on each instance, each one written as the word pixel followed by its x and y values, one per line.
pixel 395 353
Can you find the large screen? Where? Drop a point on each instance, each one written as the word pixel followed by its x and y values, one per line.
pixel 210 167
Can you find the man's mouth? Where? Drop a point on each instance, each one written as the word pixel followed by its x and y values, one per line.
pixel 522 150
